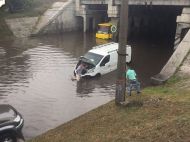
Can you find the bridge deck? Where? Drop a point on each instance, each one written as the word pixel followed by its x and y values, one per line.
pixel 141 2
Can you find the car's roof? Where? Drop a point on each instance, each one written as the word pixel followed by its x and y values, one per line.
pixel 105 48
pixel 6 112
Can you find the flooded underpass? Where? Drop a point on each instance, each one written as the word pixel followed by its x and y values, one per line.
pixel 35 77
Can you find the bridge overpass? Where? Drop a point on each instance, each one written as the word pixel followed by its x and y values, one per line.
pixel 156 16
pixel 162 15
pixel 139 2
pixel 144 15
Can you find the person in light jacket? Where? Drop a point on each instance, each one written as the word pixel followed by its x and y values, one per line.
pixel 132 79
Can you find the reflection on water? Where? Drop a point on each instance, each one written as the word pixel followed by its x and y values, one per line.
pixel 35 77
pixel 103 84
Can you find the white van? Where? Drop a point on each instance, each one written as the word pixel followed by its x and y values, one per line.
pixel 101 59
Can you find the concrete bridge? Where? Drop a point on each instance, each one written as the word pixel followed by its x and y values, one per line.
pixel 72 15
pixel 113 5
pixel 158 16
pixel 86 14
pixel 87 9
pixel 139 2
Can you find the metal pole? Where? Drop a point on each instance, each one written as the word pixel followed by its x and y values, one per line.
pixel 121 65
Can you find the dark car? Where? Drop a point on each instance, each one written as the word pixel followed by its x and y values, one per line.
pixel 11 123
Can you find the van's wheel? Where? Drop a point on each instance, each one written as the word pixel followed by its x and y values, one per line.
pixel 98 75
pixel 8 137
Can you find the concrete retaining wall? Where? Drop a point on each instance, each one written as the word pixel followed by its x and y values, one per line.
pixel 183 23
pixel 21 27
pixel 59 18
pixel 184 70
pixel 66 21
pixel 174 62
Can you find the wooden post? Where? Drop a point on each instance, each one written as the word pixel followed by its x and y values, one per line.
pixel 121 65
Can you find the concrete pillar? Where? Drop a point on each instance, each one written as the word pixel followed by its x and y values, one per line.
pixel 115 21
pixel 80 9
pixel 183 22
pixel 113 10
pixel 94 23
pixel 77 5
pixel 85 23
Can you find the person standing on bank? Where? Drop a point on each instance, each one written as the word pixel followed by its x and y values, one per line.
pixel 132 79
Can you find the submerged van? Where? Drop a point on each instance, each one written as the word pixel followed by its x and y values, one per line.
pixel 101 60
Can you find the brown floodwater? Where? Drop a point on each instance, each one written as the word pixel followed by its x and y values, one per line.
pixel 35 77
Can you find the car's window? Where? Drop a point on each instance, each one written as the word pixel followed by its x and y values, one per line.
pixel 93 58
pixel 105 60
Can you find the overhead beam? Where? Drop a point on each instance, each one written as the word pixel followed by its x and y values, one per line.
pixel 141 2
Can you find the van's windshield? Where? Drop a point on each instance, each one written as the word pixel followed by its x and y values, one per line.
pixel 93 58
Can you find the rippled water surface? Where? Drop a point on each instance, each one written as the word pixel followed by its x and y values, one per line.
pixel 35 77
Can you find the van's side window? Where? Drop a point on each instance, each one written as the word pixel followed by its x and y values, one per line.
pixel 105 60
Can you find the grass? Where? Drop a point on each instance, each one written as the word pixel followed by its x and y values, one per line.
pixel 160 114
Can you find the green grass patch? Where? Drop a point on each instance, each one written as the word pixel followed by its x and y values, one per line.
pixel 159 114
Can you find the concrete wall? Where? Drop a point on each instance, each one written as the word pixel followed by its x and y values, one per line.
pixel 89 16
pixel 59 18
pixel 184 69
pixel 183 24
pixel 65 21
pixel 174 62
pixel 21 27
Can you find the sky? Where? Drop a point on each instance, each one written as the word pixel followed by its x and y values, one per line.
pixel 2 2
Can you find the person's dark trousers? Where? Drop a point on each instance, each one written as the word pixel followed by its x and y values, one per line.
pixel 133 85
